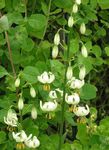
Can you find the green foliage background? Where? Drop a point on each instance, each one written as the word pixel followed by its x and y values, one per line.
pixel 29 26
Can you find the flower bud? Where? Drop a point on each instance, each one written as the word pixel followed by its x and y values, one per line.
pixel 75 8
pixel 84 51
pixel 17 82
pixel 82 72
pixel 70 22
pixel 69 73
pixel 78 2
pixel 82 28
pixel 34 113
pixel 57 39
pixel 20 103
pixel 32 92
pixel 55 51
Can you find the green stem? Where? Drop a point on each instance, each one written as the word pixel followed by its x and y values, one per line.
pixel 64 92
pixel 48 14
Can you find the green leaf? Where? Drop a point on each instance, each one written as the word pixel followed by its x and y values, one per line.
pixel 28 45
pixel 96 50
pixel 2 4
pixel 63 3
pixel 74 46
pixel 88 92
pixel 4 25
pixel 104 4
pixel 3 72
pixel 2 137
pixel 107 51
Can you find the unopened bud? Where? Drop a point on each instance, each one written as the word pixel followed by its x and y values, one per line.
pixel 34 113
pixel 69 73
pixel 84 51
pixel 55 51
pixel 82 72
pixel 17 82
pixel 57 39
pixel 70 22
pixel 82 28
pixel 20 103
pixel 32 92
pixel 75 8
pixel 78 2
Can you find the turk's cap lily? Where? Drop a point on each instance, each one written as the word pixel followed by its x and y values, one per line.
pixel 17 82
pixel 81 111
pixel 20 103
pixel 21 136
pixel 84 51
pixel 82 72
pixel 11 118
pixel 59 91
pixel 53 95
pixel 48 106
pixel 55 51
pixel 73 99
pixel 78 2
pixel 70 22
pixel 82 28
pixel 33 142
pixel 46 77
pixel 57 39
pixel 75 8
pixel 34 113
pixel 69 73
pixel 32 92
pixel 75 83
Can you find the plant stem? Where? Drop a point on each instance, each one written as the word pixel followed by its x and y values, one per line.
pixel 10 54
pixel 47 19
pixel 64 92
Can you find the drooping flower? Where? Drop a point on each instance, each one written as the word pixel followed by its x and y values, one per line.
pixel 34 113
pixel 81 111
pixel 53 95
pixel 78 2
pixel 32 92
pixel 17 82
pixel 82 28
pixel 75 83
pixel 21 136
pixel 73 99
pixel 82 72
pixel 57 39
pixel 48 106
pixel 69 73
pixel 11 118
pixel 75 8
pixel 33 142
pixel 20 103
pixel 46 77
pixel 84 51
pixel 70 22
pixel 55 51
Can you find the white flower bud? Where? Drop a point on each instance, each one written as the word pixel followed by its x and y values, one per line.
pixel 75 8
pixel 57 39
pixel 32 92
pixel 20 103
pixel 55 51
pixel 84 51
pixel 78 2
pixel 17 82
pixel 34 113
pixel 69 73
pixel 70 22
pixel 82 28
pixel 82 72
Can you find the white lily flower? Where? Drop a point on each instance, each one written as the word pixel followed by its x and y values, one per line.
pixel 55 51
pixel 75 8
pixel 33 142
pixel 21 136
pixel 52 94
pixel 34 113
pixel 20 103
pixel 82 72
pixel 69 73
pixel 81 111
pixel 82 28
pixel 48 106
pixel 57 39
pixel 70 22
pixel 17 82
pixel 75 83
pixel 32 92
pixel 11 118
pixel 73 99
pixel 84 51
pixel 78 2
pixel 46 77
pixel 59 91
